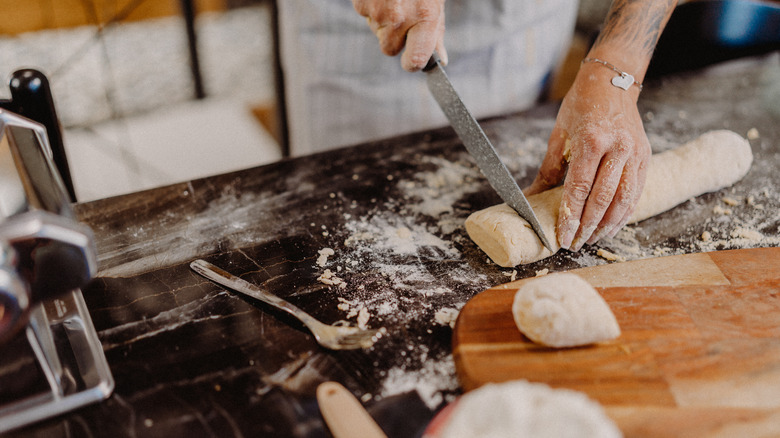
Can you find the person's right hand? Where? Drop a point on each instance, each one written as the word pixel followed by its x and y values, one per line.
pixel 600 151
pixel 417 25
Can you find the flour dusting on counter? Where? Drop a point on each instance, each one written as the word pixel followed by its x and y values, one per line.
pixel 410 245
pixel 439 190
pixel 429 381
pixel 394 235
pixel 738 220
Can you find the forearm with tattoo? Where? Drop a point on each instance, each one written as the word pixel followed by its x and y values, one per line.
pixel 633 28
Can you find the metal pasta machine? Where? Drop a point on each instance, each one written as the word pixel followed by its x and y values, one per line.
pixel 51 360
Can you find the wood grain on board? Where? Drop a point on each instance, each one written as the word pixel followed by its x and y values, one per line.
pixel 700 343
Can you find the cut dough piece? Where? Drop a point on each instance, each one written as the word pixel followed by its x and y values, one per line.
pixel 563 310
pixel 715 160
pixel 523 409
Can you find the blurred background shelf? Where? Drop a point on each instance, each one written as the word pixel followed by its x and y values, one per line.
pixel 123 86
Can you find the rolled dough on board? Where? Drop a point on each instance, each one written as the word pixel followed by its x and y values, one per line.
pixel 715 160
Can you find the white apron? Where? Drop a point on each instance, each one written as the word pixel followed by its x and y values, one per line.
pixel 341 90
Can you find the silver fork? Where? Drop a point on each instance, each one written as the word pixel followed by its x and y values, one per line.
pixel 334 337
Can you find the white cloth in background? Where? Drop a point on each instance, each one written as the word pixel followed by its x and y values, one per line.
pixel 342 90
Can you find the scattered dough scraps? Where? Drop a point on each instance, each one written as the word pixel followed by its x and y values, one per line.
pixel 661 251
pixel 403 233
pixel 323 258
pixel 331 279
pixel 744 233
pixel 523 409
pixel 344 305
pixel 563 310
pixel 720 210
pixel 608 255
pixel 363 317
pixel 447 316
pixel 355 309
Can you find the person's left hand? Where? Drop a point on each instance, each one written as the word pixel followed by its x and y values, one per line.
pixel 599 137
pixel 417 25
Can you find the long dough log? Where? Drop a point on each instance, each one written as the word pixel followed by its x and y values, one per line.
pixel 715 160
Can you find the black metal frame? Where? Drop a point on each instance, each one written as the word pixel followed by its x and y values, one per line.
pixel 189 12
pixel 31 98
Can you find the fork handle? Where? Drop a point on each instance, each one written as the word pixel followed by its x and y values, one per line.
pixel 230 281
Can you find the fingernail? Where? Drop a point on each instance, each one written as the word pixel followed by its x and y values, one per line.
pixel 597 235
pixel 579 242
pixel 593 239
pixel 566 232
pixel 614 232
pixel 565 241
pixel 583 237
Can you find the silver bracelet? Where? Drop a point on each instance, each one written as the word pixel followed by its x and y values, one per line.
pixel 623 80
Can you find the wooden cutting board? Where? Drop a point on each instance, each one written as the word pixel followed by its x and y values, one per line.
pixel 699 353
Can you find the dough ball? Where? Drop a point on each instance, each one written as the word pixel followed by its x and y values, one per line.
pixel 563 310
pixel 523 409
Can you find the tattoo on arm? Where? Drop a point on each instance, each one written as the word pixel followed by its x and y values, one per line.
pixel 636 23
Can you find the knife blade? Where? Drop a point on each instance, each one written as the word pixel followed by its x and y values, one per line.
pixel 479 146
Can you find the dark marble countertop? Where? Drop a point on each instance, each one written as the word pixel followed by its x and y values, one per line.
pixel 191 359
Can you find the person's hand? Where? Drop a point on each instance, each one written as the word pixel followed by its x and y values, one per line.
pixel 599 137
pixel 417 25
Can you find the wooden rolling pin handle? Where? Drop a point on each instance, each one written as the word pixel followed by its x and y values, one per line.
pixel 343 413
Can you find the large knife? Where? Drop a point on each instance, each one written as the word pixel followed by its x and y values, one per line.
pixel 479 146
